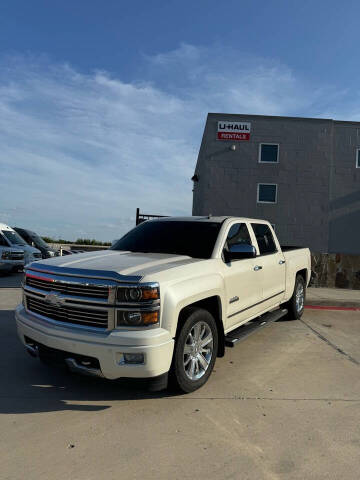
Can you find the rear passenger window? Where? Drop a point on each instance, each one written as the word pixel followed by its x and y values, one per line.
pixel 264 238
pixel 238 234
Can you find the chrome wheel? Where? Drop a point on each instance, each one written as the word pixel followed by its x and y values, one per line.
pixel 198 350
pixel 299 297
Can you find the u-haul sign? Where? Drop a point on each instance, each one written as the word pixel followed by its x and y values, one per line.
pixel 235 131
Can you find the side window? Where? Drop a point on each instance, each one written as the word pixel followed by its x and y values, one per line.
pixel 238 233
pixel 264 238
pixel 3 242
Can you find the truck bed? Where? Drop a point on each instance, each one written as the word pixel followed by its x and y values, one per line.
pixel 287 248
pixel 297 259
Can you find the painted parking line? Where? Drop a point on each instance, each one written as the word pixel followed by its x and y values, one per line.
pixel 332 307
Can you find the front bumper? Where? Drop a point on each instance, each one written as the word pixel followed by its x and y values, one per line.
pixel 108 347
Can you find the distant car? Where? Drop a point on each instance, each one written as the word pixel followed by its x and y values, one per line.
pixel 13 239
pixel 35 240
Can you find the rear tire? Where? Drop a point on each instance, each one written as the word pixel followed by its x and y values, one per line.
pixel 296 303
pixel 195 351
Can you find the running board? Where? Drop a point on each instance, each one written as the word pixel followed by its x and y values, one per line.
pixel 244 331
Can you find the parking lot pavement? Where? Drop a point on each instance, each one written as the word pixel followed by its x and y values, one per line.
pixel 11 281
pixel 283 404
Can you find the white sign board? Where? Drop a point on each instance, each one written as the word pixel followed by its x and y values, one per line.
pixel 234 131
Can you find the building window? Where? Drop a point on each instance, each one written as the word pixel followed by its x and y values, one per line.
pixel 358 158
pixel 269 153
pixel 267 193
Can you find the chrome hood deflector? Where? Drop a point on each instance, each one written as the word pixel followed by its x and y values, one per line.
pixel 128 267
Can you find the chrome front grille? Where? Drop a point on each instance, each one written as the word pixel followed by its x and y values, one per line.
pixel 81 298
pixel 67 288
pixel 74 301
pixel 16 256
pixel 66 313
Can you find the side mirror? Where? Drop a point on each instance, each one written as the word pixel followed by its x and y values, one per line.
pixel 240 251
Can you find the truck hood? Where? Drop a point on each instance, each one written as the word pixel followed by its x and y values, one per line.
pixel 129 266
pixel 30 249
pixel 26 248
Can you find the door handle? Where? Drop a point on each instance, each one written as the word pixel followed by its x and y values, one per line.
pixel 257 267
pixel 281 262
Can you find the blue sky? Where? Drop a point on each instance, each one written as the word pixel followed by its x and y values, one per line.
pixel 103 103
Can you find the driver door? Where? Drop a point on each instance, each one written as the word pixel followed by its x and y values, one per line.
pixel 243 285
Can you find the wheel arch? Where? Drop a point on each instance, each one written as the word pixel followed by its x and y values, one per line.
pixel 304 274
pixel 213 306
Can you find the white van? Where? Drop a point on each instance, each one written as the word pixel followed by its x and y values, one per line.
pixel 9 238
pixel 11 259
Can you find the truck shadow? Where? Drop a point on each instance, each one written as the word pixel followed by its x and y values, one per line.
pixel 27 386
pixel 11 280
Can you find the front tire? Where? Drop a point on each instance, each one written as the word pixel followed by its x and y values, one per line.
pixel 296 303
pixel 195 351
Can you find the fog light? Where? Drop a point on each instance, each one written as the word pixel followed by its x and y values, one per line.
pixel 134 358
pixel 132 318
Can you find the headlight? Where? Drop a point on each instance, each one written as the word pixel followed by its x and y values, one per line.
pixel 145 300
pixel 138 294
pixel 51 253
pixel 6 255
pixel 133 294
pixel 136 319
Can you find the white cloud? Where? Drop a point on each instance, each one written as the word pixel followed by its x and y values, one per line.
pixel 79 152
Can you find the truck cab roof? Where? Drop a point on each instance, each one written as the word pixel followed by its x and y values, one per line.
pixel 208 218
pixel 3 226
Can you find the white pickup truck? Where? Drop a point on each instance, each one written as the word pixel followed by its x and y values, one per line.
pixel 164 301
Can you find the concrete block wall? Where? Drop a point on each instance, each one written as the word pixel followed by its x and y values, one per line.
pixel 335 270
pixel 344 218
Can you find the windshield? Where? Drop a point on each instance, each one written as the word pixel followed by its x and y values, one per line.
pixel 191 238
pixel 13 237
pixel 38 241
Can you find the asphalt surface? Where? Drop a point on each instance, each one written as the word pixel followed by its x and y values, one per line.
pixel 283 404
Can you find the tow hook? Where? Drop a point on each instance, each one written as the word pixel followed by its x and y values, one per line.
pixel 33 350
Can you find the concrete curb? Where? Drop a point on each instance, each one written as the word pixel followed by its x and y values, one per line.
pixel 332 307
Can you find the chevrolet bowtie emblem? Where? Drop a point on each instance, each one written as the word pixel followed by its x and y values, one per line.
pixel 54 299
